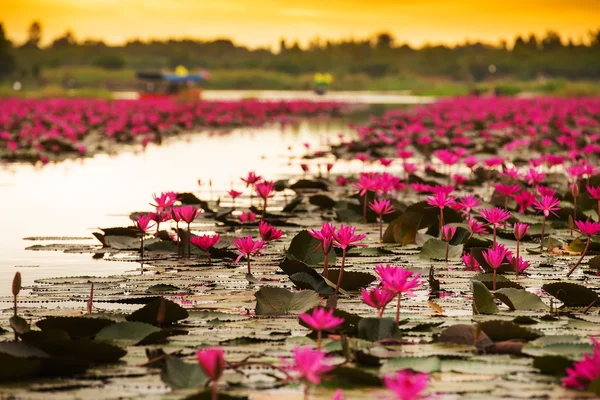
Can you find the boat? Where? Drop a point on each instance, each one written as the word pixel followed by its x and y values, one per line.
pixel 180 85
pixel 321 83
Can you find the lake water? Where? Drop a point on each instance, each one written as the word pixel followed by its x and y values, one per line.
pixel 75 197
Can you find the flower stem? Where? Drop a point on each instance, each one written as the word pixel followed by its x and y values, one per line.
pixel 542 235
pixel 339 281
pixel 441 221
pixel 189 238
pixel 398 308
pixel 208 255
pixel 214 390
pixel 319 337
pixel 517 260
pixel 264 209
pixel 326 265
pixel 447 249
pixel 494 280
pixel 248 258
pixel 494 225
pixel 365 208
pixel 381 228
pixel 580 258
pixel 142 245
pixel 306 389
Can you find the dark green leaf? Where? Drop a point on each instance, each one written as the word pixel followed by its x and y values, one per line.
pixel 150 312
pixel 500 331
pixel 76 327
pixel 304 248
pixel 517 299
pixel 181 375
pixel 374 329
pixel 280 301
pixel 571 294
pixel 483 300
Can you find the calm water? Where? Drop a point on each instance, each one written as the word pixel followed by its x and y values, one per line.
pixel 73 198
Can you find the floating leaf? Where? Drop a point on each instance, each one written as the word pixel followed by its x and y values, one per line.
pixel 279 301
pixel 517 299
pixel 483 300
pixel 482 367
pixel 129 333
pixel 351 280
pixel 505 267
pixel 417 364
pixel 304 248
pixel 83 349
pixel 322 201
pixel 15 368
pixel 181 375
pixel 573 351
pixel 355 377
pixel 76 327
pixel 162 288
pixel 467 335
pixel 571 294
pixel 19 325
pixel 304 280
pixel 374 329
pixel 500 331
pixel 501 281
pixel 169 312
pixel 435 249
pixel 552 365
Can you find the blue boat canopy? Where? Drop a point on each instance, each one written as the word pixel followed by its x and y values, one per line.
pixel 182 78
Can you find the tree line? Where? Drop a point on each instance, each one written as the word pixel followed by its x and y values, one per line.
pixel 382 55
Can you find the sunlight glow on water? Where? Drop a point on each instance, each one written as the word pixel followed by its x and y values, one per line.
pixel 74 197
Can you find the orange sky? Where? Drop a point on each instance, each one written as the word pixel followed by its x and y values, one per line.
pixel 264 22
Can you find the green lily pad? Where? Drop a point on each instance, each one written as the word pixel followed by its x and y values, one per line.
pixel 499 331
pixel 130 334
pixel 181 375
pixel 351 280
pixel 435 249
pixel 374 329
pixel 159 311
pixel 304 248
pixel 517 299
pixel 280 301
pixel 76 327
pixel 417 364
pixel 483 300
pixel 571 294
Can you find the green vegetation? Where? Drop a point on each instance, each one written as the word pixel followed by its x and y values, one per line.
pixel 546 64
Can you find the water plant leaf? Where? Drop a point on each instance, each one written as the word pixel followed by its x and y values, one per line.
pixel 435 249
pixel 76 327
pixel 572 351
pixel 349 326
pixel 594 386
pixel 594 262
pixel 128 333
pixel 552 364
pixel 504 268
pixel 162 288
pixel 347 215
pixel 403 229
pixel 304 248
pixel 519 299
pixel 20 368
pixel 152 313
pixel 355 377
pixel 83 349
pixel 181 375
pixel 482 367
pixel 19 325
pixel 322 201
pixel 483 300
pixel 374 329
pixel 280 301
pixel 500 331
pixel 466 335
pixel 501 281
pixel 351 280
pixel 571 294
pixel 417 364
pixel 304 280
pixel 122 242
pixel 21 350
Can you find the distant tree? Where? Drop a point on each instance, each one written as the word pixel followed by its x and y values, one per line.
pixel 66 40
pixel 8 64
pixel 552 41
pixel 533 43
pixel 34 34
pixel 282 46
pixel 384 41
pixel 110 61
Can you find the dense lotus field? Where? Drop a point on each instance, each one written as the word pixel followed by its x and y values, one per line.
pixel 47 130
pixel 452 251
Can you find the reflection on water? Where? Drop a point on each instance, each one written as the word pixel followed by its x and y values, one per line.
pixel 72 198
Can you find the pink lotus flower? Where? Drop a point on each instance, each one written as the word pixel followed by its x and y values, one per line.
pixel 378 298
pixel 309 364
pixel 397 280
pixel 344 237
pixel 212 362
pixel 321 320
pixel 159 217
pixel 265 190
pixel 476 227
pixel 164 200
pixel 496 217
pixel 520 230
pixel 205 242
pixel 518 263
pixel 440 200
pixel 366 182
pixel 386 162
pixel 247 217
pixel 338 395
pixel 407 385
pixel 188 214
pixel 547 205
pixel 234 194
pixel 269 232
pixel 342 181
pixel 545 191
pixel 525 200
pixel 589 229
pixel 325 236
pixel 470 262
pixel 251 179
pixel 144 223
pixel 534 177
pixel 247 247
pixel 594 191
pixel 381 207
pixel 584 372
pixel 495 257
pixel 448 232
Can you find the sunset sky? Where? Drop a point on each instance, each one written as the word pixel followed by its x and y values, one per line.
pixel 264 22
